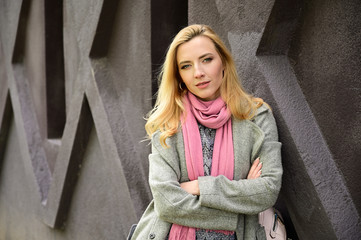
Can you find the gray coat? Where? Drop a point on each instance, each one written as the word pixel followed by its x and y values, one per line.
pixel 222 204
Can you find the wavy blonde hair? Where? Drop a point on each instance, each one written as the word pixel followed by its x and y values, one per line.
pixel 165 116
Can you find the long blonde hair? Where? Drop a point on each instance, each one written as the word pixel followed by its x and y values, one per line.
pixel 165 116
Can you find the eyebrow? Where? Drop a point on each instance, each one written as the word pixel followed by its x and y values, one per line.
pixel 202 56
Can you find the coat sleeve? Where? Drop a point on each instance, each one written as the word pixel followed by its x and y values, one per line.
pixel 172 203
pixel 249 196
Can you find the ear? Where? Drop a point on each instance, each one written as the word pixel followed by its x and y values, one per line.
pixel 180 85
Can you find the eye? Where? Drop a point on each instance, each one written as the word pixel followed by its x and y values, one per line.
pixel 185 66
pixel 207 59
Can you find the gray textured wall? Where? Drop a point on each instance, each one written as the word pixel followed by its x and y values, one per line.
pixel 91 181
pixel 303 57
pixel 77 76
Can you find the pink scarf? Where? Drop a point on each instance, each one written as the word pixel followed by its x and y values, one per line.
pixel 212 114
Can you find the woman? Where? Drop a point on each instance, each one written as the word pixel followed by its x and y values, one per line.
pixel 208 138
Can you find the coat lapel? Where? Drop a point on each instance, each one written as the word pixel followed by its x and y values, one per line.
pixel 247 141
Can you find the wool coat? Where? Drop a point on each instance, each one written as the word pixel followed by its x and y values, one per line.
pixel 223 204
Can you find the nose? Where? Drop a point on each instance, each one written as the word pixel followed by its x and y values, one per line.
pixel 198 71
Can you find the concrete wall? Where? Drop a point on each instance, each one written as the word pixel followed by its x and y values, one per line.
pixel 303 57
pixel 77 77
pixel 89 182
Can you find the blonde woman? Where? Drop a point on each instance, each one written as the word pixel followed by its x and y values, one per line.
pixel 215 161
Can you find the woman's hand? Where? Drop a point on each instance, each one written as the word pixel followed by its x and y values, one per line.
pixel 256 170
pixel 191 187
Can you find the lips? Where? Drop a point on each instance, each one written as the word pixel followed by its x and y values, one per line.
pixel 203 84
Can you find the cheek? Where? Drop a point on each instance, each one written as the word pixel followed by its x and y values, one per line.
pixel 185 77
pixel 217 68
pixel 219 72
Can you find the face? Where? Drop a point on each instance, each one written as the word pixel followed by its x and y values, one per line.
pixel 200 67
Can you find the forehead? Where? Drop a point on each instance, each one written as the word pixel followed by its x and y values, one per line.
pixel 195 48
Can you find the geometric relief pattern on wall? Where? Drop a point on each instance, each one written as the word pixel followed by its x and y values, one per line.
pixel 21 61
pixel 324 208
pixel 85 110
pixel 259 34
pixel 104 55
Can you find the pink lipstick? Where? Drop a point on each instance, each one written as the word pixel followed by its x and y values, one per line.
pixel 203 84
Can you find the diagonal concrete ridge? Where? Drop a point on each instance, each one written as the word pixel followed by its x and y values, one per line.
pixel 328 183
pixel 317 158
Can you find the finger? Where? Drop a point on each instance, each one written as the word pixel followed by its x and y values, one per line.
pixel 259 166
pixel 259 173
pixel 254 165
pixel 252 175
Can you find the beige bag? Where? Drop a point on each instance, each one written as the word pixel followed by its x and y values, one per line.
pixel 273 224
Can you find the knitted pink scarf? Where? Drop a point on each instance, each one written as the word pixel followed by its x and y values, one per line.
pixel 212 114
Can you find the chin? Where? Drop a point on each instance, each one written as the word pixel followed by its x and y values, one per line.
pixel 206 98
